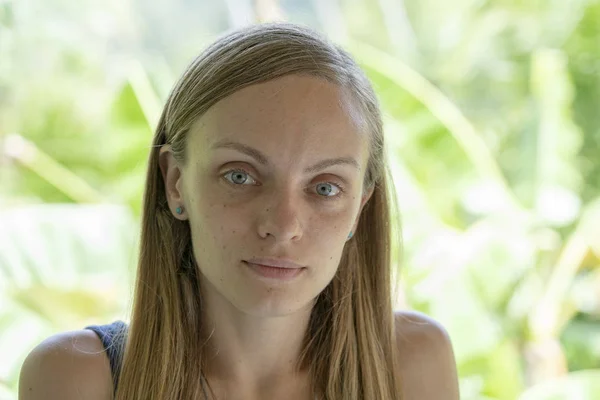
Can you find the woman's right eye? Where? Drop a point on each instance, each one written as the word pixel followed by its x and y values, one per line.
pixel 239 177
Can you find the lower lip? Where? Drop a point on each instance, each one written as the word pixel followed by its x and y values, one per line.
pixel 275 273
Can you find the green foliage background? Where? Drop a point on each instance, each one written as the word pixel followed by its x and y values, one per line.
pixel 493 125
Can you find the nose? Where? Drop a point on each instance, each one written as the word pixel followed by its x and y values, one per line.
pixel 279 217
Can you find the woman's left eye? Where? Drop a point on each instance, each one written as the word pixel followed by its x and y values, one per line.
pixel 327 189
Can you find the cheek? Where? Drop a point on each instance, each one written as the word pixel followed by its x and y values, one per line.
pixel 220 223
pixel 326 238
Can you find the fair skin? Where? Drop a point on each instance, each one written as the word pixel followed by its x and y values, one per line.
pixel 276 203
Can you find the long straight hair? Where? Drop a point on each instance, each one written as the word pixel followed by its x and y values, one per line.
pixel 350 348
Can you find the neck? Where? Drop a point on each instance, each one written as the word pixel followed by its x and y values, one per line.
pixel 253 351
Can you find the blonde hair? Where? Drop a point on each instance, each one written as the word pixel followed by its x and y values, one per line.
pixel 350 349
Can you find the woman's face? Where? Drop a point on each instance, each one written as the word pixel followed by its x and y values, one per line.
pixel 275 170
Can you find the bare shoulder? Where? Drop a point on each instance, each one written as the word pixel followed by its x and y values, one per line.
pixel 427 364
pixel 68 365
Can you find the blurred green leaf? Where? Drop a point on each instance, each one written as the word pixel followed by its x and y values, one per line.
pixel 581 339
pixel 503 378
pixel 557 180
pixel 580 385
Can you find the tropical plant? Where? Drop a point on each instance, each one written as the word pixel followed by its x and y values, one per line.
pixel 491 116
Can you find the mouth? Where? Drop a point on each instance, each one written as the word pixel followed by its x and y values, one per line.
pixel 275 262
pixel 271 272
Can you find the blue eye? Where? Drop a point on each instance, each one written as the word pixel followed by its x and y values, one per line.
pixel 239 177
pixel 325 189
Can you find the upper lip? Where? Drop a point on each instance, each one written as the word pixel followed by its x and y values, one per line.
pixel 275 262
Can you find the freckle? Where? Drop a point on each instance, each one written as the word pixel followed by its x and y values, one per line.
pixel 233 231
pixel 267 209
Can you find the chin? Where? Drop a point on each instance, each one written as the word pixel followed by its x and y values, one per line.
pixel 275 308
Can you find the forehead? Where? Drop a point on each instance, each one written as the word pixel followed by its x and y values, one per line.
pixel 291 116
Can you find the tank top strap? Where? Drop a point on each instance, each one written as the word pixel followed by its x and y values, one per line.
pixel 113 338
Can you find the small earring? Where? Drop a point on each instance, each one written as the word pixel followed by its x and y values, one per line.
pixel 350 235
pixel 179 210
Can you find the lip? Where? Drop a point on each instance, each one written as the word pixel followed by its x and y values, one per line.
pixel 274 273
pixel 275 263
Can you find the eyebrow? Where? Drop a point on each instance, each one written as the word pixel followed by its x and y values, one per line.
pixel 262 159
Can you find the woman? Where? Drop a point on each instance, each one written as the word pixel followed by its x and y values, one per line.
pixel 264 270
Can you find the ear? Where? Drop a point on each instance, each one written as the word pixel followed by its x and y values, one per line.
pixel 172 177
pixel 365 197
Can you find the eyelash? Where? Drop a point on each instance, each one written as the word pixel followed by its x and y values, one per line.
pixel 341 188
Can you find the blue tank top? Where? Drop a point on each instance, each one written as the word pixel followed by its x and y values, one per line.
pixel 113 338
